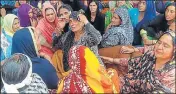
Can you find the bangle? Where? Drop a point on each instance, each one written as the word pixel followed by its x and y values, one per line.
pixel 153 42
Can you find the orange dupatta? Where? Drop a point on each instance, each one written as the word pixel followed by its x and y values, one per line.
pixel 46 29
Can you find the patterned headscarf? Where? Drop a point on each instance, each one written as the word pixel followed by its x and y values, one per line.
pixel 23 15
pixel 126 22
pixel 74 15
pixel 36 13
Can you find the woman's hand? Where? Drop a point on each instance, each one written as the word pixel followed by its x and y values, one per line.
pixel 3 12
pixel 83 18
pixel 109 59
pixel 126 50
pixel 109 26
pixel 60 26
pixel 45 56
pixel 33 22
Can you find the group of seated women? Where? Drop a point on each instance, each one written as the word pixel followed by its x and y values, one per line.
pixel 58 49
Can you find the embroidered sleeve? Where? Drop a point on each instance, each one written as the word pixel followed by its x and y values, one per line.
pixel 59 40
pixel 145 49
pixel 123 61
pixel 93 36
pixel 127 61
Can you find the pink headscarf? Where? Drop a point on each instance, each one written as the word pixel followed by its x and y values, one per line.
pixel 46 28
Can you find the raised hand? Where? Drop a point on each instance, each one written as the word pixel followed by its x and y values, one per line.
pixel 3 12
pixel 60 26
pixel 83 18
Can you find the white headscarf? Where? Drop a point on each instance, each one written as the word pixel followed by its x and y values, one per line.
pixel 13 88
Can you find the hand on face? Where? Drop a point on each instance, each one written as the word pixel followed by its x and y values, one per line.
pixel 33 22
pixel 60 26
pixel 30 13
pixel 61 23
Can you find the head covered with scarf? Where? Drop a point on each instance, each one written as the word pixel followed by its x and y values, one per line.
pixel 11 24
pixel 144 79
pixel 150 13
pixel 36 13
pixel 125 22
pixel 23 15
pixel 46 28
pixel 18 77
pixel 16 72
pixel 8 24
pixel 25 42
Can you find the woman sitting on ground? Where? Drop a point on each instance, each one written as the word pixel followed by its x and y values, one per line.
pixel 25 41
pixel 10 26
pixel 95 17
pixel 87 75
pixel 145 12
pixel 153 72
pixel 158 25
pixel 82 33
pixel 64 13
pixel 17 76
pixel 45 28
pixel 120 31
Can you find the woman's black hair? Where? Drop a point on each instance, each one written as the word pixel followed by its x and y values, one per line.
pixel 170 4
pixel 15 69
pixel 66 6
pixel 88 13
